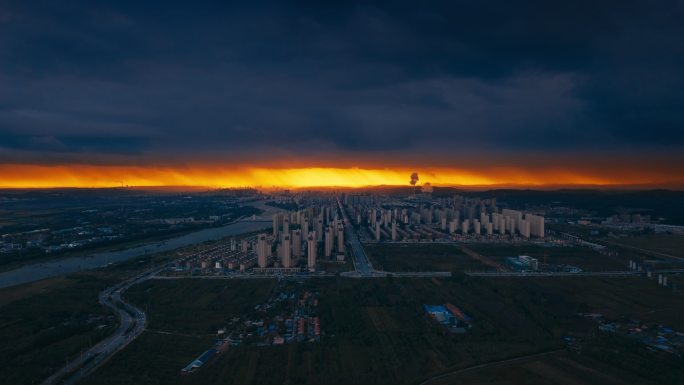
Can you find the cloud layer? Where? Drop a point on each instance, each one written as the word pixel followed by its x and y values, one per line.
pixel 129 83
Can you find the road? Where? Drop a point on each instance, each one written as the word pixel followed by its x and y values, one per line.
pixel 245 276
pixel 362 264
pixel 490 364
pixel 363 268
pixel 569 274
pixel 413 274
pixel 132 322
pixel 407 274
pixel 646 251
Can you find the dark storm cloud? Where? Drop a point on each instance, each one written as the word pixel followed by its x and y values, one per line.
pixel 181 80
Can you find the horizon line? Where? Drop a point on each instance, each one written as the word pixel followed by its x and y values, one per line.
pixel 498 186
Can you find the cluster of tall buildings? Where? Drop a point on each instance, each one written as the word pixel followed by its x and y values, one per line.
pixel 524 223
pixel 394 219
pixel 303 235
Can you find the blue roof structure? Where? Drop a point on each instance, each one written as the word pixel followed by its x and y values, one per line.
pixel 201 360
pixel 439 313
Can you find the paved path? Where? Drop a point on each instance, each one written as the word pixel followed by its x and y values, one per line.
pixel 488 364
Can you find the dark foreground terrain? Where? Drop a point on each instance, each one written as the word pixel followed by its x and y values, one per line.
pixel 376 332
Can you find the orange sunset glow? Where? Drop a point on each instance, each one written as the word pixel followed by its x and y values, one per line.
pixel 35 176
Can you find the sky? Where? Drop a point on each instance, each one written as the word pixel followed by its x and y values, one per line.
pixel 304 93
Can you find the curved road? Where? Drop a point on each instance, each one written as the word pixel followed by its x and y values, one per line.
pixel 132 322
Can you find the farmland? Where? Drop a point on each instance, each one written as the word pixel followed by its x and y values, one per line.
pixel 199 308
pixel 46 323
pixel 420 257
pixel 375 330
pixel 671 244
pixel 582 257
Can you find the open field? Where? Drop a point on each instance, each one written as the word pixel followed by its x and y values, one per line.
pixel 582 257
pixel 14 293
pixel 375 332
pixel 151 359
pixel 630 297
pixel 560 368
pixel 420 257
pixel 671 244
pixel 334 267
pixel 45 323
pixel 677 280
pixel 193 307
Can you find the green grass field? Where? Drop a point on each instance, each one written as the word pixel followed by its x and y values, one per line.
pixel 375 331
pixel 46 323
pixel 196 307
pixel 151 359
pixel 561 368
pixel 670 244
pixel 582 257
pixel 420 257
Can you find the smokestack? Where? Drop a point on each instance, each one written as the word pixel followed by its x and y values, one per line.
pixel 413 181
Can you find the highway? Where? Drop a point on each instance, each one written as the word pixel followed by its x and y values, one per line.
pixel 363 268
pixel 132 322
pixel 362 264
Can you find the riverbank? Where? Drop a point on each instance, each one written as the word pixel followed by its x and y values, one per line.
pixel 38 271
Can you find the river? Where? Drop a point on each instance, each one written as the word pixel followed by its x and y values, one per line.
pixel 38 271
